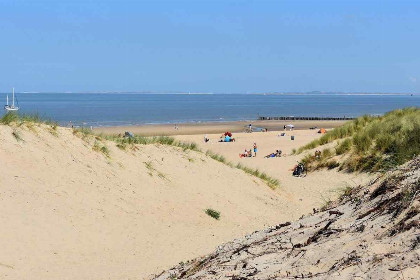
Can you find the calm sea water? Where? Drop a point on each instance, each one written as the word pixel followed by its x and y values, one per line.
pixel 132 109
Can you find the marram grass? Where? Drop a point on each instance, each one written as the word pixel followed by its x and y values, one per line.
pixel 373 143
pixel 19 119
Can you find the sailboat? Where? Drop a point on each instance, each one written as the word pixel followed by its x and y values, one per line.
pixel 12 107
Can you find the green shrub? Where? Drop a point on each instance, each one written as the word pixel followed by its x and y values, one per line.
pixel 213 213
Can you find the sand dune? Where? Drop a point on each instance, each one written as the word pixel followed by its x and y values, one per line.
pixel 302 194
pixel 371 232
pixel 69 212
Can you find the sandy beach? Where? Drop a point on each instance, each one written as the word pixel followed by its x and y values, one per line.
pixel 303 194
pixel 212 127
pixel 73 213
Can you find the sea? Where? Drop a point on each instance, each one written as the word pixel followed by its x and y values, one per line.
pixel 117 109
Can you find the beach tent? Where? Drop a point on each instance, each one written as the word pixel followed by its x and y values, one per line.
pixel 322 131
pixel 290 126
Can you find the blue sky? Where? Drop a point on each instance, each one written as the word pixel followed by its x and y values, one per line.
pixel 210 46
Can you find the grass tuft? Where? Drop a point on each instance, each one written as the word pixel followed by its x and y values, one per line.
pixel 99 147
pixel 18 118
pixel 17 136
pixel 213 213
pixel 343 147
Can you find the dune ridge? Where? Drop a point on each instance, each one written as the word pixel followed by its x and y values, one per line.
pixel 72 209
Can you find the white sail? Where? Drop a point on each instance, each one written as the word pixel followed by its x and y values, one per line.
pixel 12 107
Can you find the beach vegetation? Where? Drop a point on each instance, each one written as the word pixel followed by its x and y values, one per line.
pixel 99 147
pixel 122 146
pixel 17 136
pixel 123 142
pixel 20 119
pixel 215 156
pixel 344 192
pixel 270 181
pixel 9 118
pixel 213 213
pixel 152 170
pixel 326 203
pixel 344 146
pixel 374 143
pixel 83 133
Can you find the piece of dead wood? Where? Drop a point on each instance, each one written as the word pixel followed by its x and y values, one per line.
pixel 335 212
pixel 317 234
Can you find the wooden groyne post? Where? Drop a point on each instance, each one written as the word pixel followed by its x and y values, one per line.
pixel 293 118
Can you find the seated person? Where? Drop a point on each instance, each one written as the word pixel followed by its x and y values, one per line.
pixel 250 153
pixel 245 154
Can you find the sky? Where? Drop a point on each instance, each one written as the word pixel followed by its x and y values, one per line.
pixel 210 46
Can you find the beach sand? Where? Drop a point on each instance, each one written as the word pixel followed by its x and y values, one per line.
pixel 69 212
pixel 212 127
pixel 303 194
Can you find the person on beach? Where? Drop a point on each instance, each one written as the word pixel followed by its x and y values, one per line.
pixel 206 139
pixel 255 149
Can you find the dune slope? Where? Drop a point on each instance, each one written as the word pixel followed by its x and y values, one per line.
pixel 67 211
pixel 373 232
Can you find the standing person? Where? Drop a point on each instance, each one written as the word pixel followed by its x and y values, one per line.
pixel 255 149
pixel 250 127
